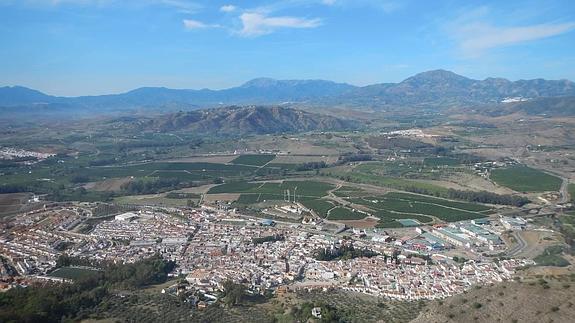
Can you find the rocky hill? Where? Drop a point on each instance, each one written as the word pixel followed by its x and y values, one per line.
pixel 249 120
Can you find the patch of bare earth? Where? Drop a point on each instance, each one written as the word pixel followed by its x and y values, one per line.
pixel 477 183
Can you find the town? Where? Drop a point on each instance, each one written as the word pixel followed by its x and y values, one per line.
pixel 211 246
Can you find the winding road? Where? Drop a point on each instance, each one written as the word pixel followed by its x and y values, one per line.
pixel 521 245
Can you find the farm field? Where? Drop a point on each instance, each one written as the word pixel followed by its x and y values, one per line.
pixel 72 272
pixel 441 161
pixel 253 160
pixel 274 190
pixel 362 176
pixel 390 216
pixel 408 222
pixel 342 213
pixel 396 205
pixel 153 200
pixel 150 169
pixel 349 191
pixel 525 179
pixel 431 200
pixel 321 207
pixel 415 207
pixel 187 171
pixel 300 159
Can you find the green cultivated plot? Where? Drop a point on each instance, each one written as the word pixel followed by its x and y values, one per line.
pixel 402 205
pixel 358 176
pixel 387 216
pixel 321 207
pixel 184 171
pixel 233 187
pixel 341 213
pixel 348 191
pixel 305 189
pixel 248 198
pixel 386 223
pixel 253 160
pixel 571 189
pixel 525 179
pixel 441 161
pixel 426 199
pixel 552 257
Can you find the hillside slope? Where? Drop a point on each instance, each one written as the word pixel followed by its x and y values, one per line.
pixel 250 120
pixel 552 301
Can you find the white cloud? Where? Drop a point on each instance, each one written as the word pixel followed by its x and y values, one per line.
pixel 180 5
pixel 477 38
pixel 191 24
pixel 387 6
pixel 228 8
pixel 186 6
pixel 257 24
pixel 61 2
pixel 475 35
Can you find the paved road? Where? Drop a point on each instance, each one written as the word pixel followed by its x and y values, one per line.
pixel 564 191
pixel 521 245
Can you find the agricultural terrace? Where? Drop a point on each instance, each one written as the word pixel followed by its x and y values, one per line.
pixel 525 179
pixel 253 160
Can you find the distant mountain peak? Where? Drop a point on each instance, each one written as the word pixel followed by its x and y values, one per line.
pixel 435 89
pixel 266 82
pixel 438 75
pixel 260 82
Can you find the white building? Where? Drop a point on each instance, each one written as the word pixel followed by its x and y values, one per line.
pixel 128 216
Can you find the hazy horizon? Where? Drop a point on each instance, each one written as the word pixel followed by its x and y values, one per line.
pixel 242 83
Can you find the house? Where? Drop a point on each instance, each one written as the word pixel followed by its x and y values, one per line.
pixel 316 312
pixel 128 216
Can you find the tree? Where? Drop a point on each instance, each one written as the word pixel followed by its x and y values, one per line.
pixel 233 293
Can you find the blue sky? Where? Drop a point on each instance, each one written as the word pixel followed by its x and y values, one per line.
pixel 86 47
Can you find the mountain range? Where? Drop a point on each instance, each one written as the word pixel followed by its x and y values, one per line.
pixel 432 89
